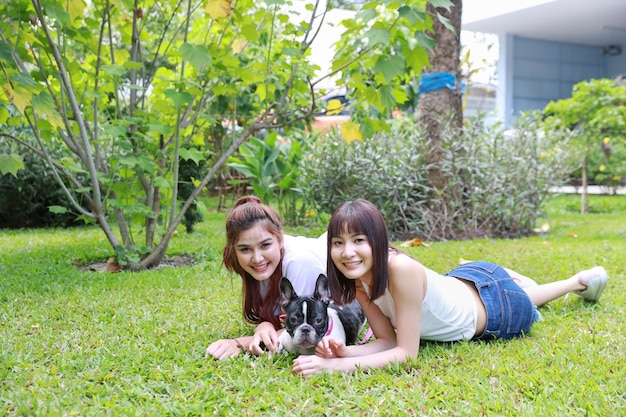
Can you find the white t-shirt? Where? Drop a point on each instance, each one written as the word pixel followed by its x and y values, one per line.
pixel 304 261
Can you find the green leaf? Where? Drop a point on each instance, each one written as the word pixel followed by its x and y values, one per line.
pixel 180 98
pixel 163 183
pixel 424 40
pixel 390 66
pixel 115 70
pixel 133 65
pixel 366 14
pixel 377 35
pixel 243 168
pixel 446 22
pixel 114 131
pixel 56 11
pixel 446 4
pixel 44 104
pixel 198 55
pixel 24 79
pixel 5 52
pixel 157 127
pixel 11 163
pixel 412 15
pixel 191 153
pixel 146 164
pixel 129 160
pixel 416 59
pixel 75 8
pixel 58 209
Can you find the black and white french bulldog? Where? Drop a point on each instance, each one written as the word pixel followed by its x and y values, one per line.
pixel 309 319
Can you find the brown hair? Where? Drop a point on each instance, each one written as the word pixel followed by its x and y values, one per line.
pixel 247 212
pixel 360 217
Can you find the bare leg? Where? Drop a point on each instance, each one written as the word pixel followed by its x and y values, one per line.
pixel 541 294
pixel 588 284
pixel 521 280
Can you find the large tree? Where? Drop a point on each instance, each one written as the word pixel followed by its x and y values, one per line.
pixel 130 87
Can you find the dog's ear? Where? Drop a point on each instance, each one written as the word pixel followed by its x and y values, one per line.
pixel 286 292
pixel 322 292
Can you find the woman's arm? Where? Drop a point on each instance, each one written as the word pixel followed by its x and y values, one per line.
pixel 379 324
pixel 407 285
pixel 264 334
pixel 228 348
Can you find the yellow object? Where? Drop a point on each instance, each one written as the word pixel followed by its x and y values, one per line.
pixel 414 242
pixel 351 132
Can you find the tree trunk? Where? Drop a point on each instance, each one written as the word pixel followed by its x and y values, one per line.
pixel 440 107
pixel 584 196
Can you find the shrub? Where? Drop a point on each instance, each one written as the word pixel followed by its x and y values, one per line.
pixel 271 167
pixel 190 171
pixel 380 169
pixel 25 199
pixel 608 168
pixel 503 179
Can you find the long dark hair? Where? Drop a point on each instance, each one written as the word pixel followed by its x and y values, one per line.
pixel 360 217
pixel 248 212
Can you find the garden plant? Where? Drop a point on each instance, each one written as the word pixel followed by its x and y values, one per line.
pixel 502 181
pixel 79 342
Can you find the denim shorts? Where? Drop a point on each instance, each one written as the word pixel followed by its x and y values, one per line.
pixel 510 312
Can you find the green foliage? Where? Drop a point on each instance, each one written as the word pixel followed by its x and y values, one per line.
pixel 272 166
pixel 190 171
pixel 505 180
pixel 11 163
pixel 608 167
pixel 84 343
pixel 391 47
pixel 383 169
pixel 131 89
pixel 26 199
pixel 596 112
pixel 258 161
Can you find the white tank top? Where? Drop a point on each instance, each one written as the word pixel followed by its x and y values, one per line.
pixel 449 311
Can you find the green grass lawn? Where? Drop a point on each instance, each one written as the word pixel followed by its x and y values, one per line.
pixel 76 342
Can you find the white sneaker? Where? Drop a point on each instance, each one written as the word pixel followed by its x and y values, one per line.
pixel 595 279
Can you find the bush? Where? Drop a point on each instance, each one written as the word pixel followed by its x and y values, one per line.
pixel 190 171
pixel 24 200
pixel 381 169
pixel 503 179
pixel 608 166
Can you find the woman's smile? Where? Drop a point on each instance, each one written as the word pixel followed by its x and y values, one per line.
pixel 352 254
pixel 258 252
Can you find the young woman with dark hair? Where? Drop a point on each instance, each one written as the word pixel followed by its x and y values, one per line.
pixel 405 301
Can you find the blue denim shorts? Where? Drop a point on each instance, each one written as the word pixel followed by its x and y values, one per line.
pixel 510 313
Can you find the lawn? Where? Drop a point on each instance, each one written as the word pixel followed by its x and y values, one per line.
pixel 77 342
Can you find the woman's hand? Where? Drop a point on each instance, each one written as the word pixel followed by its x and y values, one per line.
pixel 312 364
pixel 223 349
pixel 331 348
pixel 266 335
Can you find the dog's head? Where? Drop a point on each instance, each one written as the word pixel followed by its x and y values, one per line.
pixel 306 318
